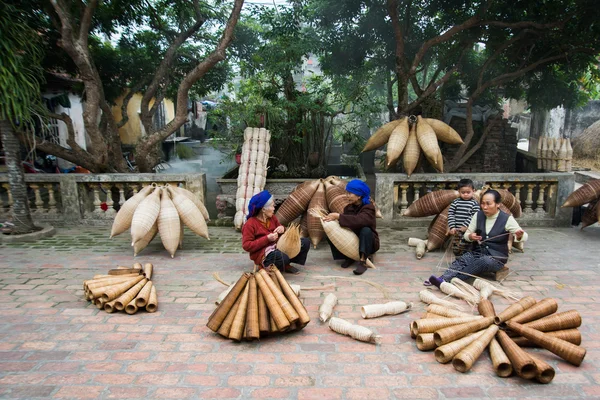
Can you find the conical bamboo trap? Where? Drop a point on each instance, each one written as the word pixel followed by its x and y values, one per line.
pixel 554 154
pixel 258 304
pixel 123 289
pixel 588 193
pixel 163 210
pixel 461 338
pixel 408 137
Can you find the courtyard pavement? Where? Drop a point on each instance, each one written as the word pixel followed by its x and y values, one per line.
pixel 54 344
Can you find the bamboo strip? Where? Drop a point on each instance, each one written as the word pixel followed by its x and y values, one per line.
pixel 500 360
pixel 144 295
pixel 275 310
pixel 444 354
pixel 303 316
pixel 452 333
pixel 425 342
pixel 570 335
pixel 522 363
pixel 239 322
pixel 288 309
pixel 219 314
pixel 568 351
pixel 252 324
pixel 152 304
pixel 464 360
pixel 515 309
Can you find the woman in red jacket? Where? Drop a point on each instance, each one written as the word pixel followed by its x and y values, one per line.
pixel 261 232
pixel 359 216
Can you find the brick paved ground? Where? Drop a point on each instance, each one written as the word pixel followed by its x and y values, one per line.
pixel 55 345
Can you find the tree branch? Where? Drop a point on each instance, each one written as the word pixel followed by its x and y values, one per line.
pixel 86 21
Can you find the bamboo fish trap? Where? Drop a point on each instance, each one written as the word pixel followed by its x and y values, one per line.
pixel 258 304
pixel 117 291
pixel 289 243
pixel 354 331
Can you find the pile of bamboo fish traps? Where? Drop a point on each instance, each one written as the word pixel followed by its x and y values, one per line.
pixel 252 174
pixel 123 289
pixel 163 210
pixel 327 194
pixel 409 137
pixel 588 193
pixel 554 154
pixel 355 331
pixel 259 304
pixel 437 203
pixel 461 338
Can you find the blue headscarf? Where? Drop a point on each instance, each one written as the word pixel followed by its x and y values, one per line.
pixel 257 202
pixel 359 188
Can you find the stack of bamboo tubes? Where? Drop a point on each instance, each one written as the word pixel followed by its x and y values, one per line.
pixel 123 289
pixel 259 304
pixel 461 338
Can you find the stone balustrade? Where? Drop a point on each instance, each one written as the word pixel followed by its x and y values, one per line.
pixel 91 199
pixel 540 194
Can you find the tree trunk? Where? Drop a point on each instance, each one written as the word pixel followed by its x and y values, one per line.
pixel 21 214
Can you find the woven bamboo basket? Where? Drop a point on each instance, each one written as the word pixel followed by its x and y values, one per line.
pixel 420 249
pixel 562 156
pixel 314 226
pixel 152 304
pixel 190 214
pixel 225 327
pixel 343 239
pixel 591 214
pixel 444 132
pixel 129 295
pixel 569 165
pixel 500 361
pixel 587 192
pixel 541 309
pixel 297 202
pixel 486 308
pixel 433 325
pixel 429 315
pixel 568 351
pixel 304 225
pixel 539 153
pixel 466 288
pixel 452 333
pixel 543 152
pixel 412 151
pixel 510 201
pixel 464 360
pixel 289 243
pixel 290 294
pixel 219 314
pixel 545 373
pixel 522 363
pixel 354 331
pixel 144 295
pixel 445 353
pixel 145 215
pixel 336 197
pixel 112 292
pixel 397 142
pixel 556 322
pixel 391 308
pixel 169 224
pixel 438 231
pixel 275 310
pixel 431 204
pixel 445 311
pixel 452 290
pixel 239 322
pixel 515 309
pixel 555 153
pixel 124 217
pixel 95 283
pixel 141 244
pixel 425 342
pixel 252 328
pixel 263 314
pixel 381 135
pixel 426 296
pixel 427 140
pixel 288 309
pixel 570 335
pixel 326 309
pixel 197 202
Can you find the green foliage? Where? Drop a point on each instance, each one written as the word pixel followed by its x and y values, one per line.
pixel 20 71
pixel 184 152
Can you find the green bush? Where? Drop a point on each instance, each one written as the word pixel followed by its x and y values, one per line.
pixel 184 152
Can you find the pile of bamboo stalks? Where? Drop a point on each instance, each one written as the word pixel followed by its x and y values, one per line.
pixel 461 338
pixel 123 289
pixel 259 304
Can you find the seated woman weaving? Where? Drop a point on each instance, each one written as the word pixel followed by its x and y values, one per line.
pixel 489 231
pixel 261 232
pixel 359 216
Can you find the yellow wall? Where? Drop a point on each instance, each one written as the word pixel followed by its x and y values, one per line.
pixel 132 130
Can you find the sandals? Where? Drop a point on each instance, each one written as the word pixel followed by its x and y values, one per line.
pixel 347 263
pixel 361 269
pixel 291 270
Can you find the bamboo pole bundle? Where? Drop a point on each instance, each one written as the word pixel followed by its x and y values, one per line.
pixel 284 303
pixel 464 360
pixel 452 333
pixel 425 341
pixel 445 353
pixel 542 309
pixel 568 351
pixel 277 314
pixel 291 297
pixel 225 327
pixel 112 292
pixel 144 295
pixel 515 309
pixel 500 360
pixel 217 317
pixel 129 295
pixel 237 327
pixel 522 363
pixel 326 309
pixel 391 308
pixel 570 335
pixel 354 331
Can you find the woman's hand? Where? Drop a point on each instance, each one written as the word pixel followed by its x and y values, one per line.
pixel 331 217
pixel 452 231
pixel 280 229
pixel 519 234
pixel 474 237
pixel 272 236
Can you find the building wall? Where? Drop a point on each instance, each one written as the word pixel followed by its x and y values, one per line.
pixel 133 129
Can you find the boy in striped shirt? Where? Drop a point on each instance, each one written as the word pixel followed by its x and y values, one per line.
pixel 460 213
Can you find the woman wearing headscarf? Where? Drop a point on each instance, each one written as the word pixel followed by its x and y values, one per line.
pixel 489 230
pixel 358 216
pixel 261 232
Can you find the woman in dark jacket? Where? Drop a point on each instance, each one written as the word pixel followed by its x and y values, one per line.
pixel 359 216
